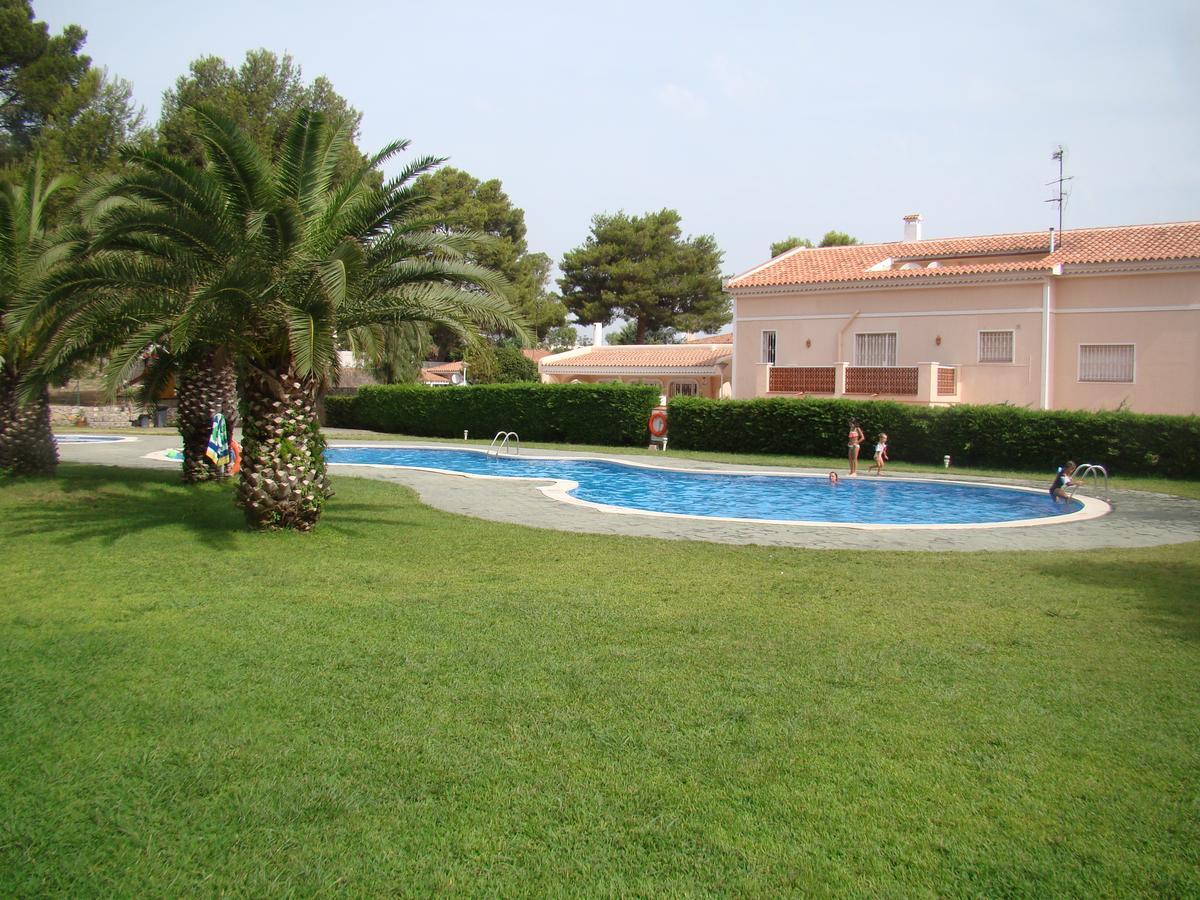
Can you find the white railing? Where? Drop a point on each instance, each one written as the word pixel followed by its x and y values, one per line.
pixel 1096 471
pixel 501 444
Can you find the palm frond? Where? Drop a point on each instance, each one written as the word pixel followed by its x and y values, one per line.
pixel 243 172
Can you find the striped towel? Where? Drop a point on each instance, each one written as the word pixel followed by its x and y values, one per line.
pixel 218 442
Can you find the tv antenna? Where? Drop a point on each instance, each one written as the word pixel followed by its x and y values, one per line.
pixel 1061 197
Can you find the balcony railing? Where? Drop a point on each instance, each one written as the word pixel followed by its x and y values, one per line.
pixel 947 381
pixel 896 381
pixel 802 379
pixel 924 383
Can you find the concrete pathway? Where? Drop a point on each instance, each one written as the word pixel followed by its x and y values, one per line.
pixel 1139 519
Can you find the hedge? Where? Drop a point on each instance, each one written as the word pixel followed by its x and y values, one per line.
pixel 610 414
pixel 1005 437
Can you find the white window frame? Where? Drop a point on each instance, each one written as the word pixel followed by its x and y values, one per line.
pixel 683 382
pixel 1012 346
pixel 770 348
pixel 895 349
pixel 1132 365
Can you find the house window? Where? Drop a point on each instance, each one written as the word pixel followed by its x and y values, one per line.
pixel 1106 362
pixel 875 349
pixel 995 346
pixel 683 389
pixel 768 347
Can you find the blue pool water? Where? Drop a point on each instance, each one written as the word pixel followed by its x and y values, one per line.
pixel 88 439
pixel 862 500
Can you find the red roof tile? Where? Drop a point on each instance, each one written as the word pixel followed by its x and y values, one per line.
pixel 726 338
pixel 656 356
pixel 968 255
pixel 438 372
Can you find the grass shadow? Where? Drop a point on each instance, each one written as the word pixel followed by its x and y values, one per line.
pixel 94 502
pixel 106 503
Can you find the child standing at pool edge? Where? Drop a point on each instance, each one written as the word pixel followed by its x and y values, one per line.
pixel 880 453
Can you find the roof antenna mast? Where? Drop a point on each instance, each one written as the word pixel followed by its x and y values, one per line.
pixel 1060 197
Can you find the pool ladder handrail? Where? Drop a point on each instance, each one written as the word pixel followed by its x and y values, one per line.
pixel 505 447
pixel 1079 476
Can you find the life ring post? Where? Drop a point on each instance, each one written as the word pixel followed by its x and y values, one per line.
pixel 658 423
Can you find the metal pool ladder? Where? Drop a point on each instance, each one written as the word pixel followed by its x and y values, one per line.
pixel 501 444
pixel 1097 472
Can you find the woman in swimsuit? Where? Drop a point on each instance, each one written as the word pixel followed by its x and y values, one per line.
pixel 854 438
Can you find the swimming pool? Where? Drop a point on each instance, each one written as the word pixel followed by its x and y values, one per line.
pixel 92 439
pixel 775 497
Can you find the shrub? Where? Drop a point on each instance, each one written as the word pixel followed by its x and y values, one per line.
pixel 514 366
pixel 612 414
pixel 993 436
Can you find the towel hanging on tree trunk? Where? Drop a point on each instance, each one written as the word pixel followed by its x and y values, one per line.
pixel 218 442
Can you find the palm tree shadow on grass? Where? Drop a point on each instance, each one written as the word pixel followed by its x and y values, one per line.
pixel 1168 594
pixel 106 503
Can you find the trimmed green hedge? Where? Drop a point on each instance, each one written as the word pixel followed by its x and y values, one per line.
pixel 612 414
pixel 1006 437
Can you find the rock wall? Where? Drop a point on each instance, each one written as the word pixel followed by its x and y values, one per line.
pixel 118 416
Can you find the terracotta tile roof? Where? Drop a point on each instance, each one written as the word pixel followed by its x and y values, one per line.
pixel 536 355
pixel 440 372
pixel 726 338
pixel 654 356
pixel 1026 251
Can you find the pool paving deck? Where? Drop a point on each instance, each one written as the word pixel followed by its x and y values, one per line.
pixel 1138 518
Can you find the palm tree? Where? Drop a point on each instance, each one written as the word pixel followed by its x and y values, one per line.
pixel 205 384
pixel 266 261
pixel 30 257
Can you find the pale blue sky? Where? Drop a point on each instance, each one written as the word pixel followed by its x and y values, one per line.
pixel 755 120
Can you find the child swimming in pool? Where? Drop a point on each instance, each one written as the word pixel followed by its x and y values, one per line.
pixel 1062 481
pixel 880 454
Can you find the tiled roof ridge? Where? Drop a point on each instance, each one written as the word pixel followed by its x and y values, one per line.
pixel 649 355
pixel 1045 232
pixel 878 263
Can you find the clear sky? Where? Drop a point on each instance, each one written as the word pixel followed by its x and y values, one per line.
pixel 754 120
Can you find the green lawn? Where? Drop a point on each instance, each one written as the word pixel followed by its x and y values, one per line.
pixel 410 702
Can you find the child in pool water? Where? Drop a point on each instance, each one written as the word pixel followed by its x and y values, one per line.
pixel 1062 481
pixel 880 454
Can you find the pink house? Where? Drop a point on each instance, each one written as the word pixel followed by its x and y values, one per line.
pixel 1095 318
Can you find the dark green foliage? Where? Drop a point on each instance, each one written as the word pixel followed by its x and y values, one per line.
pixel 461 203
pixel 627 334
pixel 513 366
pixel 37 74
pixel 787 244
pixel 830 239
pixel 837 239
pixel 611 414
pixel 262 97
pixel 987 436
pixel 642 268
pixel 53 104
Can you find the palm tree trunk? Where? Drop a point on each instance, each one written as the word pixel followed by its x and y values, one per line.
pixel 26 442
pixel 207 386
pixel 284 481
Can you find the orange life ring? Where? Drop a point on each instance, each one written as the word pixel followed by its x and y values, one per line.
pixel 658 423
pixel 235 450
